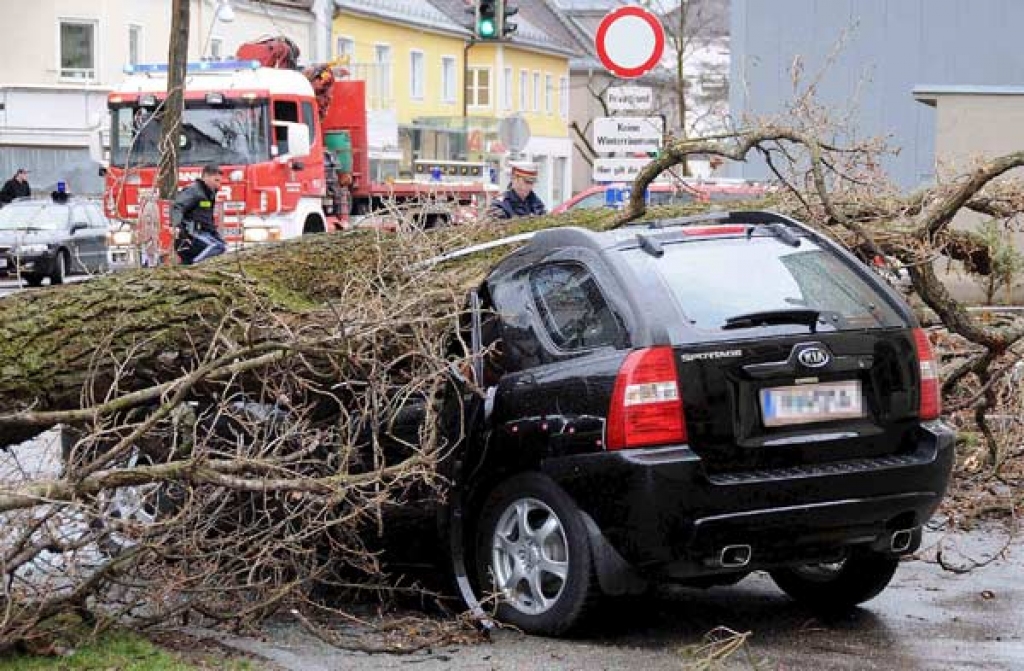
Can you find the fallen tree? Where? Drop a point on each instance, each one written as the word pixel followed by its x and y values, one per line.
pixel 248 403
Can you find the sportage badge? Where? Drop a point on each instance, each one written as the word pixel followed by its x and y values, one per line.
pixel 814 357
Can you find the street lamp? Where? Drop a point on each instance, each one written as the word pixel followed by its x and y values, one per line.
pixel 223 12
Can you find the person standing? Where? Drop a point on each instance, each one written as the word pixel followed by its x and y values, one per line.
pixel 197 237
pixel 16 187
pixel 519 200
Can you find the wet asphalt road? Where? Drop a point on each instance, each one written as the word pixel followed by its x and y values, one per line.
pixel 9 286
pixel 929 620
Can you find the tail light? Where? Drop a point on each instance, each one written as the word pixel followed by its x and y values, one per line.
pixel 931 395
pixel 647 406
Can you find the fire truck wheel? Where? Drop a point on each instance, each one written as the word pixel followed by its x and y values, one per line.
pixel 313 224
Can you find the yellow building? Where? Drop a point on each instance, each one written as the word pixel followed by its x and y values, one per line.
pixel 436 94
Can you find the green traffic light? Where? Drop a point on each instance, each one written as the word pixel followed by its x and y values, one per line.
pixel 486 28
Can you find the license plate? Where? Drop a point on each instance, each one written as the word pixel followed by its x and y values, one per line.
pixel 806 404
pixel 3 263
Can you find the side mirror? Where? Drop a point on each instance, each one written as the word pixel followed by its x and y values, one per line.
pixel 299 144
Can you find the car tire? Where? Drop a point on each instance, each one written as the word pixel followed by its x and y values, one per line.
pixel 60 268
pixel 531 533
pixel 33 280
pixel 838 587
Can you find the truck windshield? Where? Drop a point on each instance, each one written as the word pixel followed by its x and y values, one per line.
pixel 229 134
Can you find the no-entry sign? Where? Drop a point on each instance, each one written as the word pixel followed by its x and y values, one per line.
pixel 630 41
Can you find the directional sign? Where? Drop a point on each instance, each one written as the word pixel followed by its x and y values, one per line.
pixel 630 41
pixel 628 134
pixel 618 169
pixel 629 98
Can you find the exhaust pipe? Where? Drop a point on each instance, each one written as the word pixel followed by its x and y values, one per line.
pixel 901 540
pixel 734 556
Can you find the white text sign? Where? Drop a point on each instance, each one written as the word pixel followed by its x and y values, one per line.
pixel 618 169
pixel 627 134
pixel 628 98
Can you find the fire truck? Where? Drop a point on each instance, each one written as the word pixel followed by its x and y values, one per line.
pixel 267 124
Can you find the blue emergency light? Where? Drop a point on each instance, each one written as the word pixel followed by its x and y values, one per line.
pixel 201 66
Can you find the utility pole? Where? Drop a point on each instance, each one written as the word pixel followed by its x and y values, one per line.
pixel 177 58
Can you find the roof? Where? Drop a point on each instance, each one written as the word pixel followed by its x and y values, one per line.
pixel 540 29
pixel 415 12
pixel 261 79
pixel 928 94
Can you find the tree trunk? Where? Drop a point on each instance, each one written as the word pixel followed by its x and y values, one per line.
pixel 177 59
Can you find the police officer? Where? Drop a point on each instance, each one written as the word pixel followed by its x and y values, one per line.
pixel 192 217
pixel 519 200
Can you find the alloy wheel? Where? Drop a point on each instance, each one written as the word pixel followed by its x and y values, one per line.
pixel 529 556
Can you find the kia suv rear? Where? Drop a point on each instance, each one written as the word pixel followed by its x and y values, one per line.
pixel 692 400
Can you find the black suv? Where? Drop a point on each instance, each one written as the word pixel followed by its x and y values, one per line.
pixel 692 400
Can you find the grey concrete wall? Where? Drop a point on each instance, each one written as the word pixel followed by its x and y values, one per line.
pixel 891 47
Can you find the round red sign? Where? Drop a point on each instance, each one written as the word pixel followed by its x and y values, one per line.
pixel 630 41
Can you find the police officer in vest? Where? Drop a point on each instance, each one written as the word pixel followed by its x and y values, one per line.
pixel 519 200
pixel 192 217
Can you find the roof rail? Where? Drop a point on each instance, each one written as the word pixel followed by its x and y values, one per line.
pixel 724 217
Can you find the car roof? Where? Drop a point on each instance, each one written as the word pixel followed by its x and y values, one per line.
pixel 661 230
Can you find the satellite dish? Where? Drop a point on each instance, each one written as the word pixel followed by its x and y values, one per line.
pixel 514 133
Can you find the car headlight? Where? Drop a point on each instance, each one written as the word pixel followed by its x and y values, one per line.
pixel 31 249
pixel 121 238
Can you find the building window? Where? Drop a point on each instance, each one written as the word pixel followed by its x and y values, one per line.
pixel 448 79
pixel 558 179
pixel 536 91
pixel 563 96
pixel 382 58
pixel 549 93
pixel 345 47
pixel 78 49
pixel 524 90
pixel 506 90
pixel 134 44
pixel 216 48
pixel 478 87
pixel 417 75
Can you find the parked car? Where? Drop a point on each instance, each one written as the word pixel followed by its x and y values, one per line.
pixel 652 414
pixel 53 238
pixel 667 193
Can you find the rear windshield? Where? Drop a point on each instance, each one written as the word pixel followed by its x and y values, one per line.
pixel 718 281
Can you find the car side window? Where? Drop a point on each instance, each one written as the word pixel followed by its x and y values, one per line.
pixel 78 216
pixel 575 313
pixel 96 218
pixel 590 202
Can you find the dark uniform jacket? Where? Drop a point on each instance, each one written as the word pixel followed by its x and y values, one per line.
pixel 511 205
pixel 194 204
pixel 14 189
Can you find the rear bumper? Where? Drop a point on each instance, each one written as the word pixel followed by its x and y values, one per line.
pixel 661 511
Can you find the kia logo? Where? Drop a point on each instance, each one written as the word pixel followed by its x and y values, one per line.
pixel 813 357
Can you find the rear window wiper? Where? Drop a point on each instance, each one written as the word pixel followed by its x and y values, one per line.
pixel 772 317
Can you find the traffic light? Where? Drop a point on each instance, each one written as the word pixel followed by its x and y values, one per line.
pixel 507 10
pixel 486 19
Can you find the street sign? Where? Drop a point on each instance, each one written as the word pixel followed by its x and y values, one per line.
pixel 618 169
pixel 628 133
pixel 514 133
pixel 629 98
pixel 630 41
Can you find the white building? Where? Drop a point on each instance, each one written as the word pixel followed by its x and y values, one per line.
pixel 59 61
